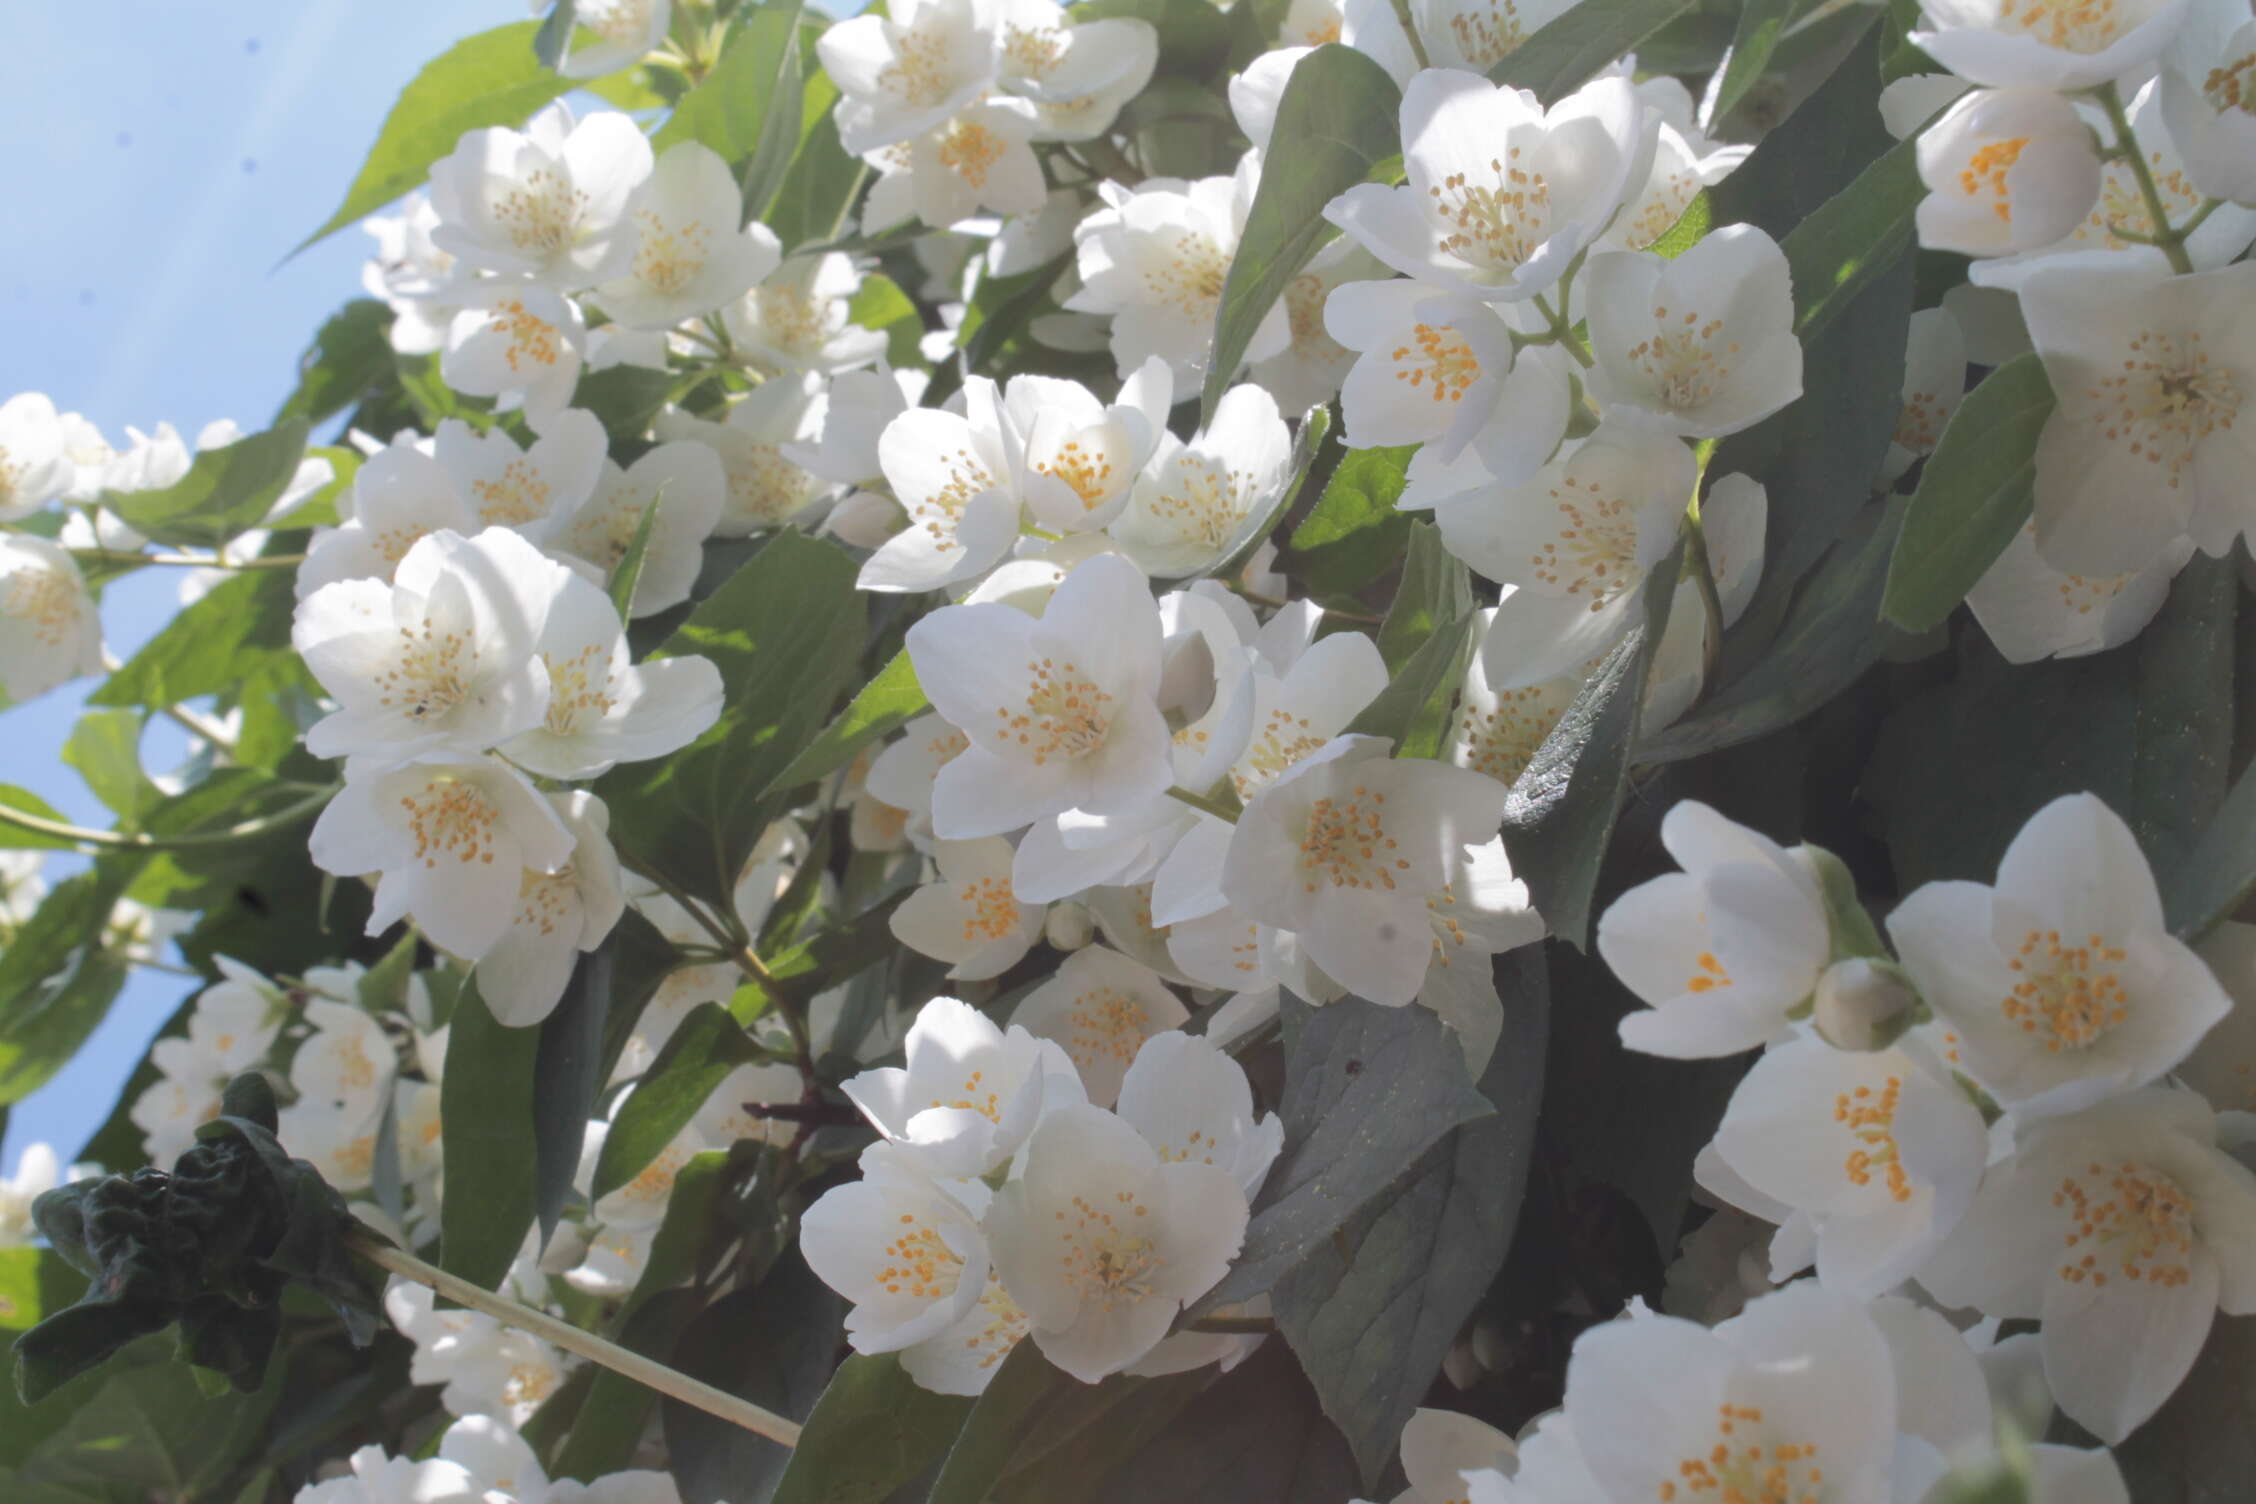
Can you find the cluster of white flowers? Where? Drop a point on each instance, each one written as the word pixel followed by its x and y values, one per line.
pixel 1078 1178
pixel 478 1461
pixel 1988 1112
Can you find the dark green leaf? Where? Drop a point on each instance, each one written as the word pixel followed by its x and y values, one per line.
pixel 2218 874
pixel 1373 1309
pixel 487 1104
pixel 1090 1431
pixel 1413 710
pixel 772 1344
pixel 1367 1090
pixel 702 1052
pixel 1193 36
pixel 884 705
pixel 350 358
pixel 144 1430
pixel 226 491
pixel 1338 116
pixel 1560 812
pixel 237 629
pixel 819 187
pixel 570 1068
pixel 493 78
pixel 823 961
pixel 1974 494
pixel 627 398
pixel 1255 1433
pixel 873 1430
pixel 1581 41
pixel 56 978
pixel 784 632
pixel 1353 534
pixel 1760 24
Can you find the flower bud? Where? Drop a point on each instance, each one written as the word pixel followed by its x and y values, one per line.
pixel 2006 170
pixel 1865 1004
pixel 1067 926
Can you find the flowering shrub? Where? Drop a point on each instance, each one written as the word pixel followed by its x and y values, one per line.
pixel 1168 752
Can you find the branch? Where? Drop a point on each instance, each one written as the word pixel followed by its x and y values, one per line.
pixel 112 840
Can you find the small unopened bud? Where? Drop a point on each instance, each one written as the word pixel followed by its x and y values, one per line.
pixel 1067 926
pixel 1865 1004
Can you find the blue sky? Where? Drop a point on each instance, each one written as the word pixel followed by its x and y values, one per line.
pixel 165 155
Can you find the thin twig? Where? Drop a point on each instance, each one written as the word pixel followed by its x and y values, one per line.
pixel 241 830
pixel 619 1360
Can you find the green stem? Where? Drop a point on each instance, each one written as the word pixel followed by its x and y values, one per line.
pixel 1702 568
pixel 2172 241
pixel 183 561
pixel 1206 803
pixel 632 1365
pixel 1562 333
pixel 188 840
pixel 1410 30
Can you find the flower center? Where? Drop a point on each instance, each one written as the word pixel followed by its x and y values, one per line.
pixel 793 320
pixel 1033 51
pixel 1066 713
pixel 431 675
pixel 1346 844
pixel 764 488
pixel 1202 499
pixel 452 819
pixel 47 600
pixel 533 340
pixel 513 498
pixel 919 1262
pixel 578 689
pixel 1088 470
pixel 1737 1470
pixel 1707 973
pixel 2165 399
pixel 1485 37
pixel 544 899
pixel 1595 552
pixel 1105 1023
pixel 666 259
pixel 2229 87
pixel 2068 995
pixel 2136 1219
pixel 540 214
pixel 975 1095
pixel 1496 225
pixel 991 911
pixel 968 149
pixel 1985 172
pixel 1683 359
pixel 1443 357
pixel 615 20
pixel 919 75
pixel 1283 740
pixel 1189 274
pixel 1502 742
pixel 1870 1121
pixel 2081 26
pixel 1104 1258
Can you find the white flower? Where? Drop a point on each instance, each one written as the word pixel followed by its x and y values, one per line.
pixel 439 663
pixel 686 482
pixel 2124 1229
pixel 1077 459
pixel 38 1171
pixel 969 1094
pixel 969 915
pixel 228 1033
pixel 1501 195
pixel 1100 1008
pixel 1934 384
pixel 531 489
pixel 559 914
pixel 377 1478
pixel 50 632
pixel 979 159
pixel 486 1368
pixel 904 1248
pixel 860 405
pixel 1344 850
pixel 1549 1470
pixel 1078 75
pixel 625 30
pixel 952 472
pixel 1440 1446
pixel 2001 44
pixel 516 342
pixel 2006 170
pixel 768 486
pixel 2211 118
pixel 902 775
pixel 443 838
pixel 1193 1105
pixel 799 319
pixel 1575 543
pixel 963 1358
pixel 400 495
pixel 501 1462
pixel 1879 1150
pixel 1195 504
pixel 34 470
pixel 1309 370
pixel 2031 610
pixel 2149 371
pixel 548 204
pixel 1102 1242
pixel 346 1065
pixel 23 882
pixel 602 708
pixel 1497 731
pixel 414 277
pixel 1155 258
pixel 1722 951
pixel 1700 346
pixel 1684 162
pixel 901 74
pixel 690 257
pixel 1733 517
pixel 2062 983
pixel 1061 710
pixel 1482 911
pixel 1430 368
pixel 342 1147
pixel 1796 1395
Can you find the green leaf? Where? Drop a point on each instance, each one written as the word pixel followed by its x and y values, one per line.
pixel 2146 726
pixel 1008 1410
pixel 1974 494
pixel 627 398
pixel 884 705
pixel 15 837
pixel 144 1430
pixel 350 357
pixel 1560 812
pixel 1373 1309
pixel 241 627
pixel 880 305
pixel 226 491
pixel 203 875
pixel 706 1047
pixel 1367 1091
pixel 1353 534
pixel 1571 49
pixel 1427 640
pixel 486 1109
pixel 56 978
pixel 1853 237
pixel 1761 23
pixel 784 631
pixel 1435 591
pixel 1696 220
pixel 105 748
pixel 824 961
pixel 2219 873
pixel 1037 1434
pixel 555 35
pixel 752 90
pixel 1193 36
pixel 493 78
pixel 1338 114
pixel 570 1067
pixel 772 1345
pixel 873 1430
pixel 819 187
pixel 1255 1433
pixel 629 573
